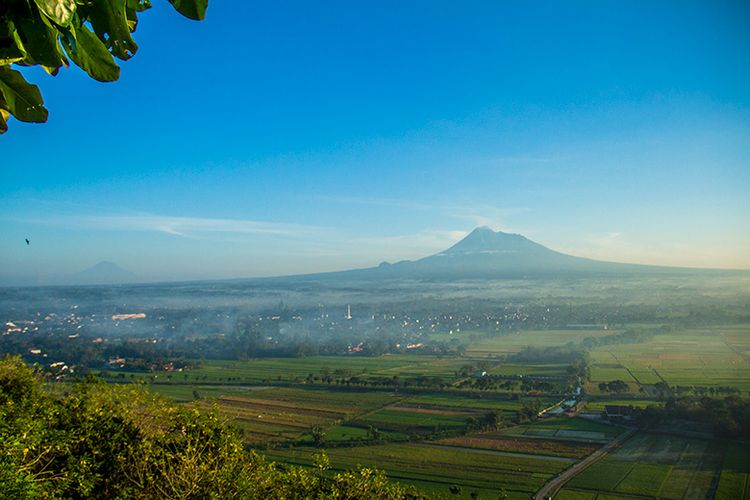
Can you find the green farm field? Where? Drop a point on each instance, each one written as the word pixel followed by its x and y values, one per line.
pixel 709 357
pixel 291 369
pixel 565 429
pixel 477 402
pixel 518 443
pixel 433 469
pixel 278 414
pixel 669 467
pixel 597 405
pixel 514 342
pixel 413 420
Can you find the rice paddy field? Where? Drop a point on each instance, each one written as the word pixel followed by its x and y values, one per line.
pixel 666 467
pixel 510 443
pixel 566 429
pixel 597 406
pixel 414 420
pixel 709 357
pixel 423 431
pixel 515 461
pixel 294 369
pixel 434 468
pixel 514 342
pixel 476 401
pixel 268 415
pixel 281 413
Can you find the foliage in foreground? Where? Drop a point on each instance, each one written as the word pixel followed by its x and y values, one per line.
pixel 47 32
pixel 107 441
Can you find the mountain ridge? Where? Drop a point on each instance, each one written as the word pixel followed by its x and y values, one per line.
pixel 487 254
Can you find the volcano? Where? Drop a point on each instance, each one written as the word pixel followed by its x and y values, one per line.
pixel 485 253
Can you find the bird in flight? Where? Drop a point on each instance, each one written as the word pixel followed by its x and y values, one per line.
pixel 27 241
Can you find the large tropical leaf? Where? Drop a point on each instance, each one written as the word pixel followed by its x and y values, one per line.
pixel 60 11
pixel 132 8
pixel 39 41
pixel 11 49
pixel 4 115
pixel 22 99
pixel 90 54
pixel 110 23
pixel 193 9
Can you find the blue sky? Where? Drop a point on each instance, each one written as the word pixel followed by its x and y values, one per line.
pixel 286 137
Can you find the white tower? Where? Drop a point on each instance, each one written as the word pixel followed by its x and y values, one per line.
pixel 348 312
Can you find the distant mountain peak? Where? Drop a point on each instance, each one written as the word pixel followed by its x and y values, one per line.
pixel 484 239
pixel 105 264
pixel 102 273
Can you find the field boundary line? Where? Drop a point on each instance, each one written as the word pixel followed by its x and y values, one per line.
pixel 627 369
pixel 734 349
pixel 556 483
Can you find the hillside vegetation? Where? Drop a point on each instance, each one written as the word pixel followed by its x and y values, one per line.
pixel 119 441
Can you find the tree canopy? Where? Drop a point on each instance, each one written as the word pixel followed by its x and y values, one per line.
pixel 96 440
pixel 51 33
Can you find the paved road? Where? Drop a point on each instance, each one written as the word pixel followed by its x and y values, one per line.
pixel 556 483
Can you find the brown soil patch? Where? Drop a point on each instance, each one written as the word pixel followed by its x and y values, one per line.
pixel 531 446
pixel 427 411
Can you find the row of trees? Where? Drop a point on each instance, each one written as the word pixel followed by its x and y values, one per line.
pixel 727 417
pixel 616 386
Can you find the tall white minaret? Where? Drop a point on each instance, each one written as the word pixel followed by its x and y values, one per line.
pixel 348 311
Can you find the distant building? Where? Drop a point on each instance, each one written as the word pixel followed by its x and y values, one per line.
pixel 618 412
pixel 121 317
pixel 120 362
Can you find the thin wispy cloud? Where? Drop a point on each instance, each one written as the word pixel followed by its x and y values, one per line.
pixel 408 246
pixel 183 226
pixel 486 215
pixel 476 214
pixel 622 247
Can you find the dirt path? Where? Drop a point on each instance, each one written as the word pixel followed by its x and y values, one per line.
pixel 556 483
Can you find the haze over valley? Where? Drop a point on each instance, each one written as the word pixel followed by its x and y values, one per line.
pixel 356 250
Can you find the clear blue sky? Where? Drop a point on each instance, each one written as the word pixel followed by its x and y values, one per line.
pixel 286 137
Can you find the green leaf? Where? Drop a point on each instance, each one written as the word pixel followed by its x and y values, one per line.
pixel 110 23
pixel 51 70
pixel 4 115
pixel 132 8
pixel 90 54
pixel 192 9
pixel 139 5
pixel 60 11
pixel 23 100
pixel 11 49
pixel 39 40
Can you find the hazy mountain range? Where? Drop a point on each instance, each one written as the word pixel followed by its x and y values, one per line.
pixel 485 253
pixel 482 254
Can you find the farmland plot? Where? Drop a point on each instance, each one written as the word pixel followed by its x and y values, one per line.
pixel 434 470
pixel 668 467
pixel 698 357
